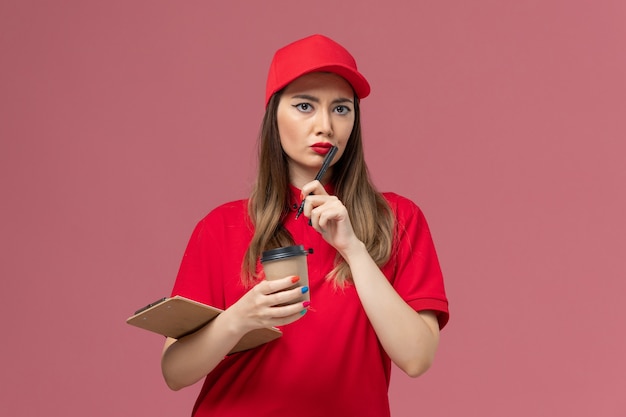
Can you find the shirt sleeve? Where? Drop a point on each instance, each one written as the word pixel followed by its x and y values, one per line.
pixel 210 271
pixel 197 274
pixel 416 273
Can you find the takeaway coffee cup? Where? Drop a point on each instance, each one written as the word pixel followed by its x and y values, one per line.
pixel 289 260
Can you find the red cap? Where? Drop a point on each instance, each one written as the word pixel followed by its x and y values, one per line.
pixel 312 54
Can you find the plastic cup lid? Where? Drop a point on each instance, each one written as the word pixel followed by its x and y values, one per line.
pixel 282 253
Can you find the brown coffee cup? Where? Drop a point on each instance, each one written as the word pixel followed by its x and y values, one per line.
pixel 286 261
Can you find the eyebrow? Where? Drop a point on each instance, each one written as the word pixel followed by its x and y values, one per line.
pixel 316 100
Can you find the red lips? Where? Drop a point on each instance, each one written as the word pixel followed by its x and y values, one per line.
pixel 321 148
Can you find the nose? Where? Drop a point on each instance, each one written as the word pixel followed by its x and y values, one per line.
pixel 324 125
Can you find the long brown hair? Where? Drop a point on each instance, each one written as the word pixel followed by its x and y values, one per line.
pixel 370 215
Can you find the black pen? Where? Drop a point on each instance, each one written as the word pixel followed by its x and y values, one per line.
pixel 329 157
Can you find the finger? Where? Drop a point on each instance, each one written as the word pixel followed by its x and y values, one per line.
pixel 290 313
pixel 287 297
pixel 267 287
pixel 332 212
pixel 313 187
pixel 329 210
pixel 290 319
pixel 314 201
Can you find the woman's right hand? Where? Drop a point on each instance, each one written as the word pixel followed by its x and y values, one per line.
pixel 268 304
pixel 191 358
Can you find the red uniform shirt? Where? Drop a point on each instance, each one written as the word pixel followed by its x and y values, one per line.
pixel 329 362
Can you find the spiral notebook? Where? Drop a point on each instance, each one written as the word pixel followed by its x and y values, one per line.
pixel 179 316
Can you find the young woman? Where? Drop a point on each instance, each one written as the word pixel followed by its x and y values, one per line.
pixel 376 288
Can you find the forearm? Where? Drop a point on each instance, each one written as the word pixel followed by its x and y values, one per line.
pixel 267 304
pixel 409 338
pixel 187 360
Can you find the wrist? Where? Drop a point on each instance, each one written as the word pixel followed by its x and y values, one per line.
pixel 354 252
pixel 229 322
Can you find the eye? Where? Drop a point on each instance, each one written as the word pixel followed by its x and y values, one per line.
pixel 342 110
pixel 304 107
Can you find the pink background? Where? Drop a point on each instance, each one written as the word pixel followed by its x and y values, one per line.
pixel 123 122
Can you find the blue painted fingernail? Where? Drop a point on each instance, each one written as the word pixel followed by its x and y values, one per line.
pixel 305 289
pixel 303 312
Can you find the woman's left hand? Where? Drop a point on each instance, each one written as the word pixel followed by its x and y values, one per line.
pixel 329 217
pixel 409 338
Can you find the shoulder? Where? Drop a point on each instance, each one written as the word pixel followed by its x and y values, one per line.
pixel 232 209
pixel 408 215
pixel 401 206
pixel 233 213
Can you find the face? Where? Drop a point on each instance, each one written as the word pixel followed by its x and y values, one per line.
pixel 315 112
